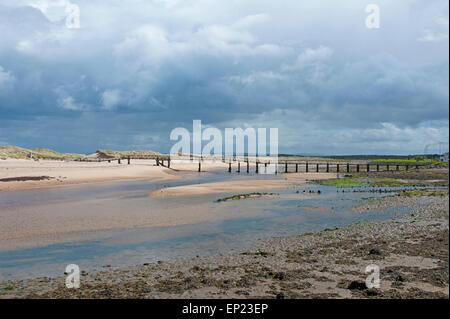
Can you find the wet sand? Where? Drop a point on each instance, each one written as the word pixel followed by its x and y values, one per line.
pixel 44 223
pixel 411 252
pixel 238 187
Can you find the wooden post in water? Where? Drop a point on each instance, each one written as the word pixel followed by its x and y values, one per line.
pixel 368 167
pixel 296 167
pixel 378 168
pixel 229 167
pixel 337 168
pixel 417 166
pixel 199 166
pixel 157 161
pixel 397 167
pixel 357 168
pixel 128 160
pixel 348 167
pixel 317 167
pixel 407 166
pixel 118 161
pixel 257 167
pixel 387 167
pixel 239 167
pixel 168 163
pixel 248 166
pixel 285 167
pixel 307 167
pixel 328 167
pixel 265 168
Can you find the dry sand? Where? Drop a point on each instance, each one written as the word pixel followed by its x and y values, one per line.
pixel 60 172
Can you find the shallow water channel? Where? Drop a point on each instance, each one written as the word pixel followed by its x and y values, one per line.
pixel 239 225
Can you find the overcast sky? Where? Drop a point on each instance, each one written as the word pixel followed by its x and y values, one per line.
pixel 136 69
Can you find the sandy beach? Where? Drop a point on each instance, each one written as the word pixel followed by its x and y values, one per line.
pixel 411 252
pixel 60 221
pixel 289 180
pixel 50 173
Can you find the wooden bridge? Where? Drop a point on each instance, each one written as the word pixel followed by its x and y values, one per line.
pixel 261 163
pixel 308 167
pixel 285 166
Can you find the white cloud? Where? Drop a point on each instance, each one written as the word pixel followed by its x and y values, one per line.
pixel 432 36
pixel 153 44
pixel 443 21
pixel 69 103
pixel 256 76
pixel 25 46
pixel 302 133
pixel 251 20
pixel 312 56
pixel 54 10
pixel 6 78
pixel 110 99
pixel 440 35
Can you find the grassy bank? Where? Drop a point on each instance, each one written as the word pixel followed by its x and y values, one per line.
pixel 421 177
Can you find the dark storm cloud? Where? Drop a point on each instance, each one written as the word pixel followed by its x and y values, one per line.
pixel 136 70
